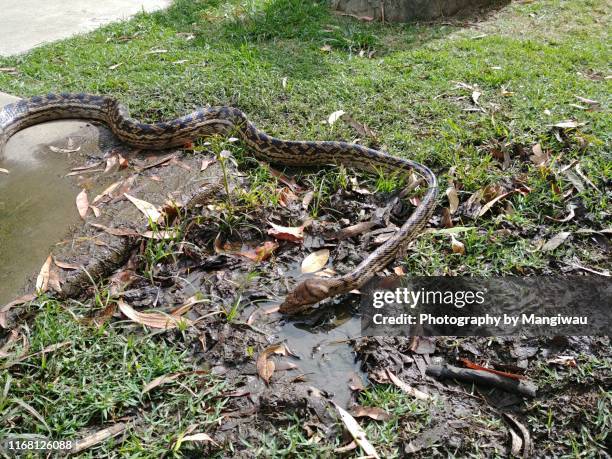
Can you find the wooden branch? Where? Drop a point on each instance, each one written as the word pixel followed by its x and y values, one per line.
pixel 483 378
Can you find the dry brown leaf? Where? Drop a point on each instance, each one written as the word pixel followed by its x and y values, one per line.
pixel 584 100
pixel 399 271
pixel 308 197
pixel 261 253
pixel 457 246
pixel 151 319
pixel 107 192
pixel 372 412
pixel 287 233
pixel 4 309
pixel 148 209
pixel 406 388
pixel 64 265
pixel 484 209
pixel 289 181
pixel 286 197
pixel 265 367
pixel 356 432
pixel 82 203
pixel 446 221
pixel 555 241
pixel 167 378
pixel 564 360
pixel 42 281
pixel 539 157
pixel 345 449
pixel 315 261
pixel 98 437
pixel 453 199
pixel 207 162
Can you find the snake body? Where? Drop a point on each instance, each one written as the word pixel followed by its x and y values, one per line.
pixel 222 120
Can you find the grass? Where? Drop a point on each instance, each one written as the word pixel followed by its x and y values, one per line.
pixel 96 378
pixel 289 64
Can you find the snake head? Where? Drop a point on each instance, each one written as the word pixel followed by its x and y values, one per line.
pixel 309 292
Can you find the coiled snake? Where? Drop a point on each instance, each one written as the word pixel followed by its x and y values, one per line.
pixel 221 120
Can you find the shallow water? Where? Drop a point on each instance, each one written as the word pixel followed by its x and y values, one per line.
pixel 326 358
pixel 37 200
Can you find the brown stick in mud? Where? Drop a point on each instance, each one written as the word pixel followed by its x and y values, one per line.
pixel 483 378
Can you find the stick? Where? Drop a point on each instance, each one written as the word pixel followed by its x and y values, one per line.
pixel 483 378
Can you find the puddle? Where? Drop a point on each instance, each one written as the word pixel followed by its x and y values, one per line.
pixel 37 200
pixel 326 359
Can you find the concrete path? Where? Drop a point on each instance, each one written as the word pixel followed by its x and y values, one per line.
pixel 26 24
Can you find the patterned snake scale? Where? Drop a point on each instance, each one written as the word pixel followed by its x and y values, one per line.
pixel 222 120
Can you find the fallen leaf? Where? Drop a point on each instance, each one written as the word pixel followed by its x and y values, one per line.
pixel 148 209
pixel 406 388
pixel 21 300
pixel 453 199
pixel 446 221
pixel 82 203
pixel 315 261
pixel 555 241
pixel 457 246
pixel 107 192
pixel 200 437
pixel 160 380
pixel 362 129
pixel 372 412
pixel 325 48
pixel 42 281
pixel 356 432
pixel 484 209
pixel 261 253
pixel 571 214
pixel 151 319
pixel 287 233
pixel 63 150
pixel 564 360
pixel 4 171
pixel 115 66
pixel 568 124
pixel 539 157
pixel 159 235
pixel 289 181
pixel 64 265
pixel 98 437
pixel 207 162
pixel 265 367
pixel 399 271
pixel 335 116
pixel 308 197
pixel 286 197
pixel 527 444
pixel 584 100
pixel 475 96
pixel 157 51
pixel 345 449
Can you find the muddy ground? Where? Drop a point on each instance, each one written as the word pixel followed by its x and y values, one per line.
pixel 226 274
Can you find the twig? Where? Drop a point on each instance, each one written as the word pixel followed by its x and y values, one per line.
pixel 483 378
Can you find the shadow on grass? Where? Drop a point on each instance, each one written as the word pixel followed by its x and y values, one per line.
pixel 290 35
